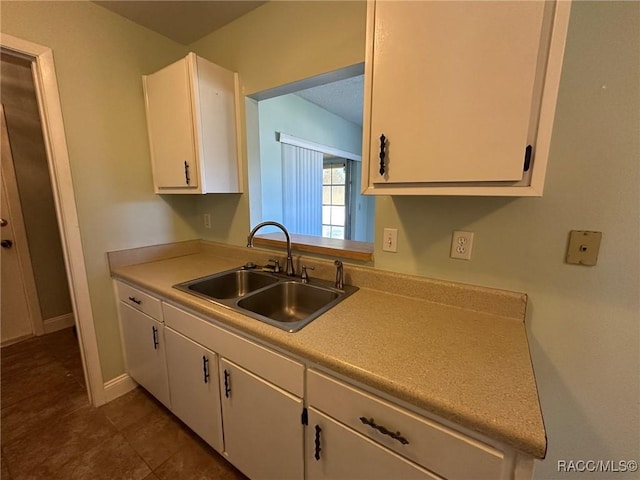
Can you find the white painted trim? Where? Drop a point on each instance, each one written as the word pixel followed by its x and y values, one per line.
pixel 116 387
pixel 46 86
pixel 22 338
pixel 550 94
pixel 318 147
pixel 59 323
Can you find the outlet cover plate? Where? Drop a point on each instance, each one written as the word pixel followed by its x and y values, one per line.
pixel 461 245
pixel 583 247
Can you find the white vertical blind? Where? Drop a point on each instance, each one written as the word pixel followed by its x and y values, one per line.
pixel 302 190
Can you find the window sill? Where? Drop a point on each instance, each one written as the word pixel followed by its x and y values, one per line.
pixel 362 251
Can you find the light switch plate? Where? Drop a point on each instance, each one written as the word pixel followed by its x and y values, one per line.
pixel 583 247
pixel 390 240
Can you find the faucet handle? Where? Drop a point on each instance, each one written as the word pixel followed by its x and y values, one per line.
pixel 276 265
pixel 339 274
pixel 305 276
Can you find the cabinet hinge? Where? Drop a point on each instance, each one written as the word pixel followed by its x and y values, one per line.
pixel 304 418
pixel 527 157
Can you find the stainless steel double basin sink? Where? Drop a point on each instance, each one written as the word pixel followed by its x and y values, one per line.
pixel 282 301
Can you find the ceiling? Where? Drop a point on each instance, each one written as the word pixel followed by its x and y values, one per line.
pixel 343 98
pixel 188 21
pixel 181 21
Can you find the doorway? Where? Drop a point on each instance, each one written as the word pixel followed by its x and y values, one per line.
pixel 61 184
pixel 37 299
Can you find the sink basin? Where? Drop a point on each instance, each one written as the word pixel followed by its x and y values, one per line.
pixel 232 284
pixel 290 302
pixel 276 299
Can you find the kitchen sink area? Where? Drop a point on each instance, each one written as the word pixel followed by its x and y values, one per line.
pixel 204 319
pixel 276 299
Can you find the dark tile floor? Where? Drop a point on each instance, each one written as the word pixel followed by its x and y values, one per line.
pixel 49 431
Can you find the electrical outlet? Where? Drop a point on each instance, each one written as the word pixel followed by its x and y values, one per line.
pixel 207 220
pixel 461 244
pixel 390 240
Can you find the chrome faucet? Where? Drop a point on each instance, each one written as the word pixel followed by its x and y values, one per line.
pixel 289 267
pixel 339 274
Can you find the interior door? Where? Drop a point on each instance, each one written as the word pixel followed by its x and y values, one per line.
pixel 15 317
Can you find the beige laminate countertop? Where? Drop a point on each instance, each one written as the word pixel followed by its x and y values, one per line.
pixel 469 367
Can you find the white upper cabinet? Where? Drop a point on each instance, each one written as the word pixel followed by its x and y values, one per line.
pixel 192 119
pixel 464 94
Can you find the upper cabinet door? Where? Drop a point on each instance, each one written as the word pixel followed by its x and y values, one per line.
pixel 168 95
pixel 457 90
pixel 193 127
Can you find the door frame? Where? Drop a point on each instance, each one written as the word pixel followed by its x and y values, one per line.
pixel 48 96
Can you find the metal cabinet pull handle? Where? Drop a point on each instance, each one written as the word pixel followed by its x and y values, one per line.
pixel 317 443
pixel 383 146
pixel 395 435
pixel 227 387
pixel 187 178
pixel 6 243
pixel 154 331
pixel 135 300
pixel 205 369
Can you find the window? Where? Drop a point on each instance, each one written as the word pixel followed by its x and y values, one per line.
pixel 335 198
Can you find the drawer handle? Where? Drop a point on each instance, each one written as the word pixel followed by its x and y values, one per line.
pixel 318 449
pixel 135 300
pixel 205 369
pixel 227 387
pixel 396 436
pixel 154 331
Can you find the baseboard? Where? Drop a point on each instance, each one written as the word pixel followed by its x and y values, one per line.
pixel 60 322
pixel 11 341
pixel 116 387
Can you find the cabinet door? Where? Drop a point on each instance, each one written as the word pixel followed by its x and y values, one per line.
pixel 168 97
pixel 452 89
pixel 337 452
pixel 263 433
pixel 193 383
pixel 143 340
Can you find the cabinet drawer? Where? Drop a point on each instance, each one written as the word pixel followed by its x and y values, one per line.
pixel 277 369
pixel 140 300
pixel 337 452
pixel 435 447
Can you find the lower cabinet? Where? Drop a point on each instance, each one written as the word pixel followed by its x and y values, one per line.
pixel 195 392
pixel 337 452
pixel 247 401
pixel 143 342
pixel 374 424
pixel 263 431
